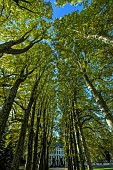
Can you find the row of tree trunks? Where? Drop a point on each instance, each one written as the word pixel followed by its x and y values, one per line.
pixel 41 154
pixel 40 151
pixel 20 144
pixel 87 154
pixel 77 135
pixel 81 134
pixel 76 146
pixel 71 146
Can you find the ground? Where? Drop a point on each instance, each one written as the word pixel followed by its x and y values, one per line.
pixel 58 169
pixel 94 168
pixel 22 168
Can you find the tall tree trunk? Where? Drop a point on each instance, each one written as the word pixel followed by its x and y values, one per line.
pixel 44 151
pixel 69 160
pixel 89 164
pixel 6 108
pixel 72 153
pixel 67 143
pixel 35 156
pixel 79 144
pixel 76 161
pixel 44 136
pixel 43 155
pixel 77 136
pixel 41 161
pixel 20 144
pixel 30 140
pixel 100 101
pixel 76 152
pixel 70 144
pixel 47 159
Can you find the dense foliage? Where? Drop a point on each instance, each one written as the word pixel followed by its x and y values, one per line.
pixel 55 78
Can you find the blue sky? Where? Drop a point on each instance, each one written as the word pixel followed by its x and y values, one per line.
pixel 61 11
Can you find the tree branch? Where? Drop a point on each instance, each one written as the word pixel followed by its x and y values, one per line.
pixel 19 105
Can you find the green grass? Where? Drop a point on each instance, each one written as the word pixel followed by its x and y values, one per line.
pixel 99 169
pixel 103 168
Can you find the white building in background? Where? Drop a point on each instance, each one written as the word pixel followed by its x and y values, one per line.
pixel 56 156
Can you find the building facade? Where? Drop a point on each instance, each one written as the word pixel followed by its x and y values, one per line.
pixel 56 156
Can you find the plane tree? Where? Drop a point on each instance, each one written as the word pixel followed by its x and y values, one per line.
pixel 90 49
pixel 82 121
pixel 74 60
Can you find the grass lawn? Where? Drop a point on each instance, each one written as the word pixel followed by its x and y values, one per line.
pixel 103 168
pixel 99 169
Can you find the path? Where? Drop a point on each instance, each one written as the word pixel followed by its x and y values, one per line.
pixel 58 168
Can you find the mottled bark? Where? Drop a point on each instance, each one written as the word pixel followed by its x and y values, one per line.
pixel 100 101
pixel 105 39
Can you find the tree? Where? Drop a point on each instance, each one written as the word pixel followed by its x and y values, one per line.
pixel 63 2
pixel 80 46
pixel 7 105
pixel 71 84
